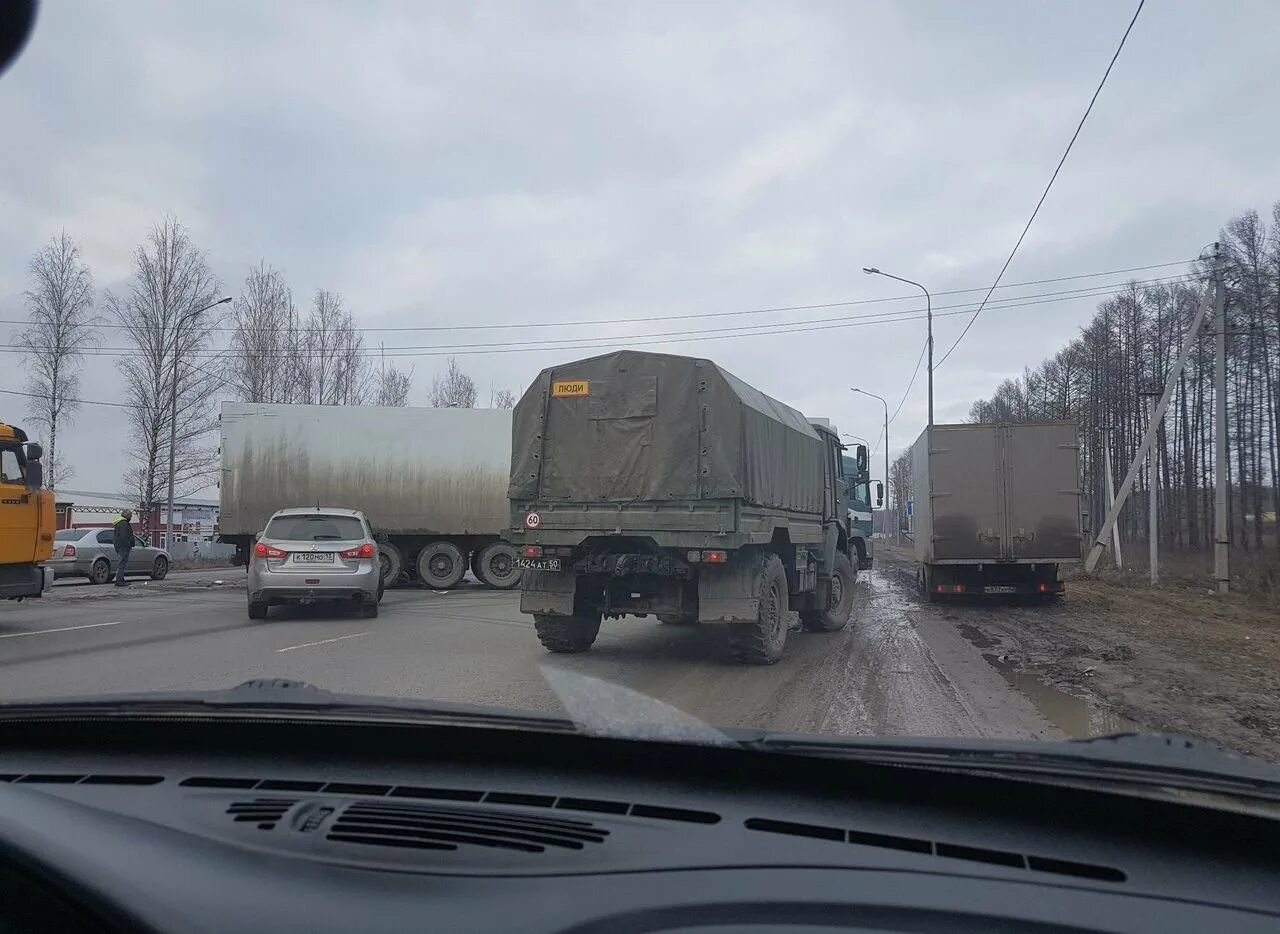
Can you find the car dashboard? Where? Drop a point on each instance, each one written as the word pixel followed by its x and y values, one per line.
pixel 220 824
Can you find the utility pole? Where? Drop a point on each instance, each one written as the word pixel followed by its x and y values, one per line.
pixel 1149 436
pixel 1221 544
pixel 1153 459
pixel 1111 496
pixel 928 304
pixel 173 413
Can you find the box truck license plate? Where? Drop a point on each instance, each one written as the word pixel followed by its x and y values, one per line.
pixel 313 557
pixel 538 564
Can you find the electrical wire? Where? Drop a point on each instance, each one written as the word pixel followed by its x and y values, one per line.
pixel 1052 179
pixel 709 314
pixel 662 337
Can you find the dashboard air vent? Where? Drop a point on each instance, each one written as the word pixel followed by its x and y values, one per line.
pixel 422 827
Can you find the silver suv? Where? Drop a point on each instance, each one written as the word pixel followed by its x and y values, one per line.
pixel 315 554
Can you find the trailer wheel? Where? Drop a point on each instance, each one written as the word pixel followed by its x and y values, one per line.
pixel 497 566
pixel 833 617
pixel 475 566
pixel 441 565
pixel 760 642
pixel 390 563
pixel 567 634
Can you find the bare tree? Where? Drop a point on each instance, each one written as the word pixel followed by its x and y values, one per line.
pixel 263 366
pixel 59 307
pixel 392 387
pixel 454 390
pixel 502 399
pixel 334 366
pixel 159 315
pixel 1128 348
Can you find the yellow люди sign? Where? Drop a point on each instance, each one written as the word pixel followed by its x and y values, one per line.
pixel 570 387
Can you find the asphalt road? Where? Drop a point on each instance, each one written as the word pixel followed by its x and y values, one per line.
pixel 899 668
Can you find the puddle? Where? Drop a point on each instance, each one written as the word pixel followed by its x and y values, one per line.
pixel 1073 715
pixel 976 637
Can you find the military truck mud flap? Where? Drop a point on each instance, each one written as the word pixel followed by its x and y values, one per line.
pixel 549 593
pixel 730 593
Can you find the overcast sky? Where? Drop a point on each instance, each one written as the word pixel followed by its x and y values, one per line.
pixel 463 163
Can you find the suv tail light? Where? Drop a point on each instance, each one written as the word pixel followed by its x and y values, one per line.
pixel 364 551
pixel 69 551
pixel 266 551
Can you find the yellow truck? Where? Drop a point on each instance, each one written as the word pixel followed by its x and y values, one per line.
pixel 26 517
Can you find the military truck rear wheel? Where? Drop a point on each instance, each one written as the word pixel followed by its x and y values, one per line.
pixel 496 566
pixel 839 599
pixel 390 562
pixel 567 634
pixel 761 641
pixel 441 565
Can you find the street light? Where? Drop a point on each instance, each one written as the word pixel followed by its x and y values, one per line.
pixel 173 413
pixel 846 434
pixel 886 433
pixel 928 300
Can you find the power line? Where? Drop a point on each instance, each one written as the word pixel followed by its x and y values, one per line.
pixel 31 395
pixel 708 314
pixel 1052 179
pixel 663 337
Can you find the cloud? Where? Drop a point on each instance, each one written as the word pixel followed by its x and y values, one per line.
pixel 523 165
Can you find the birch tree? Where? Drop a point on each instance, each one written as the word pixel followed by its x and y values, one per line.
pixel 454 389
pixel 160 315
pixel 60 328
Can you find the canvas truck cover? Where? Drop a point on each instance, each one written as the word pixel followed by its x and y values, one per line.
pixel 410 470
pixel 632 426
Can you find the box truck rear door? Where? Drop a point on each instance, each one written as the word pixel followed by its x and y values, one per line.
pixel 966 505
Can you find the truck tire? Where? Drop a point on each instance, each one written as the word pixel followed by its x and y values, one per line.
pixel 839 599
pixel 760 642
pixel 390 563
pixel 441 565
pixel 496 566
pixel 567 634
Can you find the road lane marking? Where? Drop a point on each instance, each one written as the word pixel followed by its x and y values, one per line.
pixel 307 645
pixel 41 632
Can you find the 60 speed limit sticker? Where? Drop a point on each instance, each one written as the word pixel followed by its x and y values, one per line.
pixel 532 520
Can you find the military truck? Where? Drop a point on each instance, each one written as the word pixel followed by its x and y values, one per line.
pixel 646 484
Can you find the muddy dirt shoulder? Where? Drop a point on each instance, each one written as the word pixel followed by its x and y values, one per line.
pixel 1166 660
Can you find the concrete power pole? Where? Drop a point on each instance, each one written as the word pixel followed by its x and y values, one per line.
pixel 1152 530
pixel 1221 544
pixel 1111 496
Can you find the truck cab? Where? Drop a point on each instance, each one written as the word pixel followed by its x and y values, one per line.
pixel 26 517
pixel 858 480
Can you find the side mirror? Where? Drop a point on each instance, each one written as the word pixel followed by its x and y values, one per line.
pixel 862 458
pixel 879 493
pixel 34 451
pixel 35 474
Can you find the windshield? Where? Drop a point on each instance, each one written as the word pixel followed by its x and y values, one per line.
pixel 318 528
pixel 853 369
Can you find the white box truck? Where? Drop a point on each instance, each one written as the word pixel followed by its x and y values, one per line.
pixel 433 482
pixel 997 507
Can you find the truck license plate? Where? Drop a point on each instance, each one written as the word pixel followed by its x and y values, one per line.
pixel 1000 588
pixel 538 564
pixel 313 557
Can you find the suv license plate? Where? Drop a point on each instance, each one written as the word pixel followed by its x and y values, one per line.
pixel 1000 588
pixel 538 564
pixel 313 557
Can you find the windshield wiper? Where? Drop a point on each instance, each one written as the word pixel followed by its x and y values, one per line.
pixel 1141 758
pixel 284 699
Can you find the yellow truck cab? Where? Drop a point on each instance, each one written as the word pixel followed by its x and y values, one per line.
pixel 26 517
